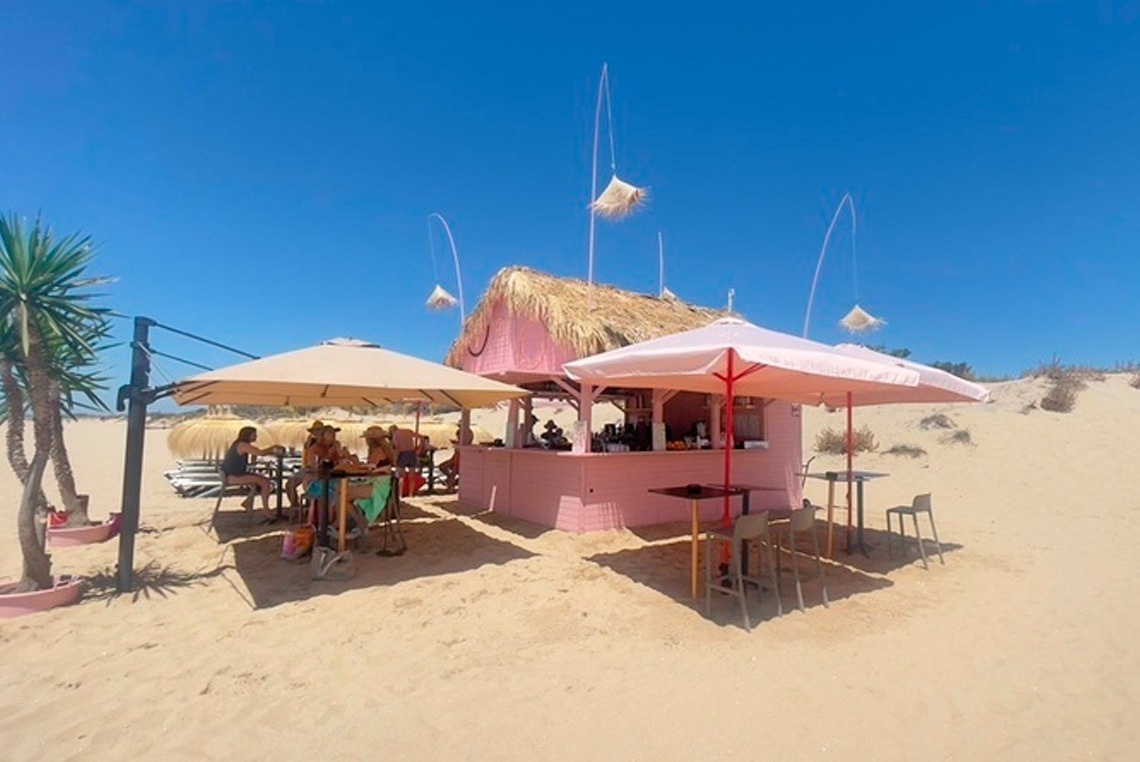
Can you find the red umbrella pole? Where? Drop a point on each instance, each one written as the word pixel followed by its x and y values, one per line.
pixel 850 469
pixel 729 383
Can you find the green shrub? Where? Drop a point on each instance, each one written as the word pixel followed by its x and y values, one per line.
pixel 937 421
pixel 959 369
pixel 910 451
pixel 832 442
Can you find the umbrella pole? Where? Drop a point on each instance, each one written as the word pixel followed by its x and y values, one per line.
pixel 730 381
pixel 850 467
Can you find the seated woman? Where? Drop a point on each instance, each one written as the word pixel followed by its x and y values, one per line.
pixel 302 477
pixel 235 466
pixel 381 458
pixel 323 456
pixel 450 467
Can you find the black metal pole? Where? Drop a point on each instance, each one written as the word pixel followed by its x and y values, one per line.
pixel 137 396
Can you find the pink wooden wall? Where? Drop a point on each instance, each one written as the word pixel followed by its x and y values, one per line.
pixel 584 493
pixel 515 344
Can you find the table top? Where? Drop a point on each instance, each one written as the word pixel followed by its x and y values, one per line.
pixel 859 476
pixel 756 487
pixel 706 492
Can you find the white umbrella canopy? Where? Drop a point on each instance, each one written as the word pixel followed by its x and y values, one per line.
pixel 764 363
pixel 341 373
pixel 933 386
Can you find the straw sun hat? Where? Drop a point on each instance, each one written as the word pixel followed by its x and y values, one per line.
pixel 374 432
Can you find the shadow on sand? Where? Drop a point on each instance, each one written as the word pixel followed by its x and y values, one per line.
pixel 435 546
pixel 149 581
pixel 664 567
pixel 515 526
pixel 878 560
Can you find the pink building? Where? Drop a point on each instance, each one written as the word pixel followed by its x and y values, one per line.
pixel 525 327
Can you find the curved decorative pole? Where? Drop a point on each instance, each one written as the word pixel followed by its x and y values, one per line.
pixel 660 265
pixel 619 198
pixel 455 258
pixel 823 250
pixel 603 85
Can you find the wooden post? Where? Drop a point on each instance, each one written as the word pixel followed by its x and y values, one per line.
pixel 512 432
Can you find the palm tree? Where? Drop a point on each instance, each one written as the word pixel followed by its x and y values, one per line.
pixel 45 305
pixel 12 411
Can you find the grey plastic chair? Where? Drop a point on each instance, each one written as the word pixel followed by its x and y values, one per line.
pixel 249 490
pixel 746 529
pixel 801 521
pixel 920 504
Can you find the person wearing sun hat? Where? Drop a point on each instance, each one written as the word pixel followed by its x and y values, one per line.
pixel 297 478
pixel 380 450
pixel 381 458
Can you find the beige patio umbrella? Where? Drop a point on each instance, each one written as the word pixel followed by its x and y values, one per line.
pixel 345 373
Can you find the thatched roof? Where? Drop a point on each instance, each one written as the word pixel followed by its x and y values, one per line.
pixel 618 317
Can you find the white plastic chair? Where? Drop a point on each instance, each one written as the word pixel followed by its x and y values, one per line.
pixel 745 529
pixel 920 504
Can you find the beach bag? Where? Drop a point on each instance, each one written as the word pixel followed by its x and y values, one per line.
pixel 327 564
pixel 411 484
pixel 297 543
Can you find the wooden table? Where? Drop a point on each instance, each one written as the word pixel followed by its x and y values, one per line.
pixel 342 505
pixel 703 492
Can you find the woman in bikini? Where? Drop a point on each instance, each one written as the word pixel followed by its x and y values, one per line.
pixel 235 465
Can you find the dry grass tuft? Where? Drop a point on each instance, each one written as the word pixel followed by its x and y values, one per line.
pixel 1134 382
pixel 909 451
pixel 1062 396
pixel 961 436
pixel 937 421
pixel 832 442
pixel 1066 383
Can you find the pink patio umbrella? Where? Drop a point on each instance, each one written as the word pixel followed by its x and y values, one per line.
pixel 934 386
pixel 736 358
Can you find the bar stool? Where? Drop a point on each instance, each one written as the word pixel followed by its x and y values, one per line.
pixel 920 504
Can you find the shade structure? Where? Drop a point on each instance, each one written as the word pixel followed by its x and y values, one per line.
pixel 764 363
pixel 736 358
pixel 343 373
pixel 209 436
pixel 934 386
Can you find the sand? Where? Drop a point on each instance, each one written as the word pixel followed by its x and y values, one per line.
pixel 492 638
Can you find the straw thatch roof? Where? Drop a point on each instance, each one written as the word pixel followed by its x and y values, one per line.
pixel 209 436
pixel 293 432
pixel 618 317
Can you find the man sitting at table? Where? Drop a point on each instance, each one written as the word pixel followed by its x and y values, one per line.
pixel 408 446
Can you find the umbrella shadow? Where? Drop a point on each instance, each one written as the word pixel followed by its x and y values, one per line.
pixel 237 525
pixel 435 547
pixel 664 567
pixel 515 526
pixel 881 561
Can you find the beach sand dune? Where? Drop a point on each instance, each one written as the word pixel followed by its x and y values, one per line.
pixel 492 638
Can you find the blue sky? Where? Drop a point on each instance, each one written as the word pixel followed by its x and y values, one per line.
pixel 262 173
